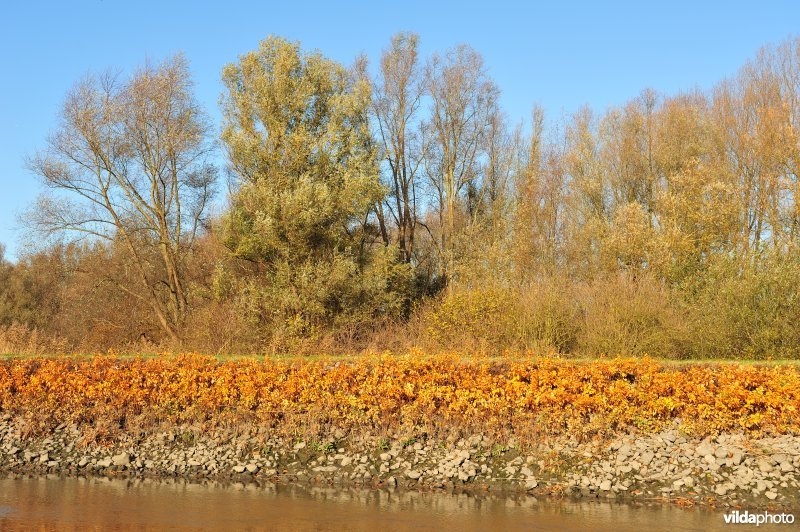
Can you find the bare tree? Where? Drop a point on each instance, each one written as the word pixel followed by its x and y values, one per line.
pixel 501 147
pixel 397 99
pixel 463 99
pixel 129 164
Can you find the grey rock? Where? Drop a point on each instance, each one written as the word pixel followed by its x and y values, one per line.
pixel 778 458
pixel 122 460
pixel 704 448
pixel 764 465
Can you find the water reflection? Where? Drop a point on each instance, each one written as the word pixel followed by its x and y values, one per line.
pixel 105 504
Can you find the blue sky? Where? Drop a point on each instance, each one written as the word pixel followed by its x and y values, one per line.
pixel 558 54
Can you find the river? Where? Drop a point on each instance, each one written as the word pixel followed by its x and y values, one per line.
pixel 105 504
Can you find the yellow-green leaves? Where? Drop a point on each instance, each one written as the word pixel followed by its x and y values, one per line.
pixel 298 139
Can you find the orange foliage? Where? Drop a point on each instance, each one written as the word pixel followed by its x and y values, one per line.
pixel 515 398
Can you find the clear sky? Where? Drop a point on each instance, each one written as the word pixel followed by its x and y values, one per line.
pixel 558 54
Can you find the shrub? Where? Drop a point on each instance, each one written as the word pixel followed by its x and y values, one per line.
pixel 750 311
pixel 537 317
pixel 435 395
pixel 626 315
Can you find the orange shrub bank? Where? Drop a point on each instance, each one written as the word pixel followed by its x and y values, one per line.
pixel 521 399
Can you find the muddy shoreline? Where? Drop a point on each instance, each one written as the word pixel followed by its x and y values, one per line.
pixel 722 472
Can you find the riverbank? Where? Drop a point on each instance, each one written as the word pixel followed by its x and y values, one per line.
pixel 627 429
pixel 724 471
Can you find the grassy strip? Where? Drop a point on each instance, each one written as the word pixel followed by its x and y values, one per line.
pixel 424 356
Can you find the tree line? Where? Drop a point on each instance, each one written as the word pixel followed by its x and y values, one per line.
pixel 400 206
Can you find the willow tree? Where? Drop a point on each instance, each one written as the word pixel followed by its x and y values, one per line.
pixel 128 166
pixel 297 133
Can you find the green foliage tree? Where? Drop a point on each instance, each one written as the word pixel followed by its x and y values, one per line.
pixel 297 133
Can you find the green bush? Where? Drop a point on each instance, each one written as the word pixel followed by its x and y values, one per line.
pixel 749 311
pixel 626 315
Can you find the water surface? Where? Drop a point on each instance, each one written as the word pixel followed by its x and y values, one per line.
pixel 103 504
